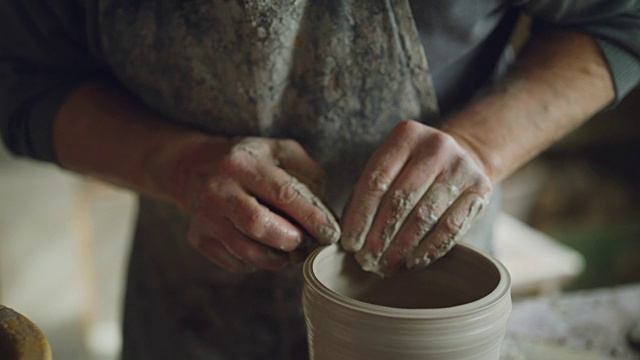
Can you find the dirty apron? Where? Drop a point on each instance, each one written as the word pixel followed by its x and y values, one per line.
pixel 335 75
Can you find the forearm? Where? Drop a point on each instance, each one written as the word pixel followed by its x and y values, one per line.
pixel 246 209
pixel 559 82
pixel 100 132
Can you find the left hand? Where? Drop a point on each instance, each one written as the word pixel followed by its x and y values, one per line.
pixel 419 194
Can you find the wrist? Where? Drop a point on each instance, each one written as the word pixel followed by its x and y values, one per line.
pixel 489 163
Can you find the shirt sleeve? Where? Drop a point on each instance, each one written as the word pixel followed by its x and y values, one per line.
pixel 44 55
pixel 614 24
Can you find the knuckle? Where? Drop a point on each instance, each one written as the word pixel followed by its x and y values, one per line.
pixel 413 126
pixel 447 140
pixel 377 182
pixel 213 195
pixel 407 130
pixel 482 186
pixel 439 138
pixel 407 127
pixel 425 217
pixel 438 143
pixel 485 181
pixel 233 164
pixel 402 200
pixel 287 192
pixel 215 189
pixel 453 224
pixel 241 158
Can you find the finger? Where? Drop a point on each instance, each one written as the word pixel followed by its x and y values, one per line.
pixel 398 203
pixel 378 176
pixel 251 162
pixel 258 222
pixel 248 251
pixel 294 160
pixel 284 192
pixel 450 228
pixel 251 252
pixel 409 187
pixel 423 216
pixel 225 199
pixel 217 253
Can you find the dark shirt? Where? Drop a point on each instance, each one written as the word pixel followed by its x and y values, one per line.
pixel 49 47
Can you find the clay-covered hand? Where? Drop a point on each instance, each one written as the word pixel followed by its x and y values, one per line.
pixel 418 194
pixel 252 201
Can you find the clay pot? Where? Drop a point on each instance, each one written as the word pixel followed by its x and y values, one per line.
pixel 20 339
pixel 457 308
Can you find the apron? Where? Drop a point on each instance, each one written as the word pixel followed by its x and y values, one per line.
pixel 335 75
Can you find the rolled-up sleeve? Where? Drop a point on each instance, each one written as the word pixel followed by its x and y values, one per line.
pixel 614 24
pixel 44 55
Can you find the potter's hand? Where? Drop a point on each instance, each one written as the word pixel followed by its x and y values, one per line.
pixel 417 196
pixel 252 200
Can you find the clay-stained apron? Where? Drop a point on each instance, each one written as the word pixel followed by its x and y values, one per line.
pixel 336 75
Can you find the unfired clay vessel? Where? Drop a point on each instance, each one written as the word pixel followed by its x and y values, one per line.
pixel 456 308
pixel 21 339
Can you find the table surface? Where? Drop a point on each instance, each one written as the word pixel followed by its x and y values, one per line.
pixel 588 324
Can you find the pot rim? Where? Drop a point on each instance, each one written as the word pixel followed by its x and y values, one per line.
pixel 501 291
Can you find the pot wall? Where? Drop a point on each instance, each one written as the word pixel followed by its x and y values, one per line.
pixel 457 308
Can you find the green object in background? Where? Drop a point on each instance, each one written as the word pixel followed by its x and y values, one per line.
pixel 611 253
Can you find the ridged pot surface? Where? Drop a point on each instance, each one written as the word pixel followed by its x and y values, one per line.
pixel 457 308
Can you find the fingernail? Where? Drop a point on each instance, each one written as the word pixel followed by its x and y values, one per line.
pixel 351 242
pixel 417 262
pixel 329 234
pixel 424 257
pixel 286 246
pixel 476 208
pixel 368 261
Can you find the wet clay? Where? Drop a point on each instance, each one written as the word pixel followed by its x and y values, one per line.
pixel 455 279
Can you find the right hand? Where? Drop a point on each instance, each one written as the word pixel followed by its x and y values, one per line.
pixel 251 201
